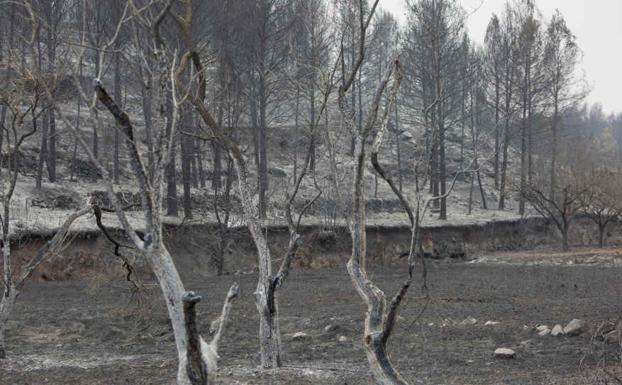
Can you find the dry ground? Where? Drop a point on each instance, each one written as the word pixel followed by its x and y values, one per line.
pixel 98 333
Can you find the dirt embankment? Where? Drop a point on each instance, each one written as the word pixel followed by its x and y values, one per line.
pixel 90 254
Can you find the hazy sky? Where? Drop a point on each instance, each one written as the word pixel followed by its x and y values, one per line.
pixel 596 23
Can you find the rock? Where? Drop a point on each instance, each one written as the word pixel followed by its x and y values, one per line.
pixel 343 339
pixel 557 330
pixel 544 332
pixel 613 337
pixel 330 328
pixel 505 353
pixel 469 321
pixel 574 327
pixel 491 323
pixel 541 328
pixel 277 172
pixel 299 336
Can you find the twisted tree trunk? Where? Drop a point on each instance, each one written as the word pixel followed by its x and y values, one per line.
pixel 379 320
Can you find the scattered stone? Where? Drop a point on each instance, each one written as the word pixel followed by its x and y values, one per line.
pixel 299 336
pixel 505 353
pixel 469 321
pixel 613 337
pixel 557 330
pixel 574 327
pixel 343 339
pixel 491 323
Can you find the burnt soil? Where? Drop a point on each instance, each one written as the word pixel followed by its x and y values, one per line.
pixel 98 332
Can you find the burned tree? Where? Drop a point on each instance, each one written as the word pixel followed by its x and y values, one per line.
pixel 561 209
pixel 379 320
pixel 150 243
pixel 601 201
pixel 266 299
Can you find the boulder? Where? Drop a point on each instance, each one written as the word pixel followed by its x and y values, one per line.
pixel 574 327
pixel 544 332
pixel 557 330
pixel 343 339
pixel 491 323
pixel 505 353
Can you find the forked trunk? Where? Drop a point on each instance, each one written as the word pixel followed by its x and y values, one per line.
pixel 173 291
pixel 381 368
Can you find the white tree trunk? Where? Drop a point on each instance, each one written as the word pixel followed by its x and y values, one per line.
pixel 173 291
pixel 265 296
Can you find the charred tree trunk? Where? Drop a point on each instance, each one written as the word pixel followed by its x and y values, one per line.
pixel 50 157
pixel 523 160
pixel 147 98
pixel 42 154
pixel 6 308
pixel 565 243
pixel 399 150
pixel 263 146
pixel 186 154
pixel 51 153
pixel 504 164
pixel 217 166
pixel 94 111
pixel 497 135
pixel 10 292
pixel 601 235
pixel 172 207
pixel 554 128
pixel 117 96
pixel 509 77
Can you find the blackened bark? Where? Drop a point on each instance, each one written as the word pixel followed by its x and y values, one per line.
pixel 186 154
pixel 263 146
pixel 42 154
pixel 117 98
pixel 399 151
pixel 172 208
